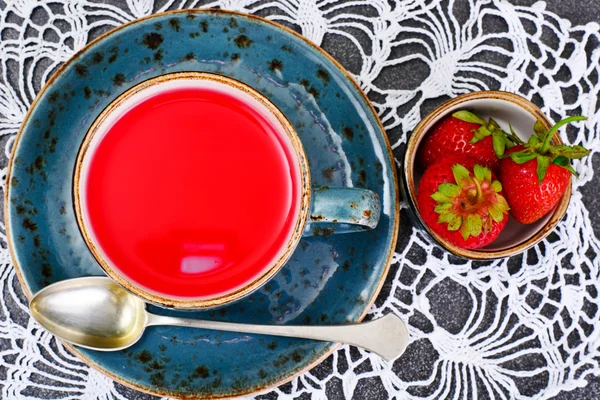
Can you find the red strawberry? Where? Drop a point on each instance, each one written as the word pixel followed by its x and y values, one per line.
pixel 462 202
pixel 464 134
pixel 535 175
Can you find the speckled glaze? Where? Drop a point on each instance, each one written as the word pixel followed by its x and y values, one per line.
pixel 503 106
pixel 342 210
pixel 328 279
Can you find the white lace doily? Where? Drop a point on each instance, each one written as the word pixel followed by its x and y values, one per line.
pixel 520 328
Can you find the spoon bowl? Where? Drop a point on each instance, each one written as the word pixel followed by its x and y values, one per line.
pixel 91 312
pixel 98 314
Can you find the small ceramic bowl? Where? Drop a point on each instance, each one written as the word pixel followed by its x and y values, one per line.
pixel 503 107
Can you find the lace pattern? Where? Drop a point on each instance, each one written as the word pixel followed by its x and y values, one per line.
pixel 522 328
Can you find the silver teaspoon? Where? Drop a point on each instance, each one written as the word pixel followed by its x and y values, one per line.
pixel 98 314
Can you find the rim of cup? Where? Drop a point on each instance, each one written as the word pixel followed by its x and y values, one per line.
pixel 266 273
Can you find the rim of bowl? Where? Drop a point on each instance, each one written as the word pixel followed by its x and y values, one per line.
pixel 268 272
pixel 408 174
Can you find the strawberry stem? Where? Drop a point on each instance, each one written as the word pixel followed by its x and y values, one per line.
pixel 478 186
pixel 472 204
pixel 513 136
pixel 555 128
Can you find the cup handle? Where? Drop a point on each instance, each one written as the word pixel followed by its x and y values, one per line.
pixel 342 210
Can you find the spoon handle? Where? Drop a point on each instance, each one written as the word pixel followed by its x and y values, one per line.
pixel 387 336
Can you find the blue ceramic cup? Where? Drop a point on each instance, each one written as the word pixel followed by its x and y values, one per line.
pixel 322 211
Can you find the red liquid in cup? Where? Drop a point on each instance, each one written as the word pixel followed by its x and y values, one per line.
pixel 192 193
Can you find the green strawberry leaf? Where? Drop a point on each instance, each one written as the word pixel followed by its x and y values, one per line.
pixel 493 124
pixel 534 142
pixel 455 223
pixel 571 152
pixel 571 170
pixel 502 204
pixel 474 224
pixel 449 189
pixel 543 163
pixel 462 177
pixel 464 230
pixel 446 217
pixel 565 163
pixel 539 130
pixel 498 143
pixel 512 137
pixel 468 116
pixel 487 174
pixel 521 157
pixel 508 143
pixel 561 161
pixel 481 133
pixel 499 208
pixel 440 198
pixel 496 214
pixel 442 208
pixel 497 186
pixel 479 172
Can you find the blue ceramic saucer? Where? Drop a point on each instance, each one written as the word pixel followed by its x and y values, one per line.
pixel 328 280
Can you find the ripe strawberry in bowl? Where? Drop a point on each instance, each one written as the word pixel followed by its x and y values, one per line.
pixel 536 174
pixel 461 201
pixel 464 133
